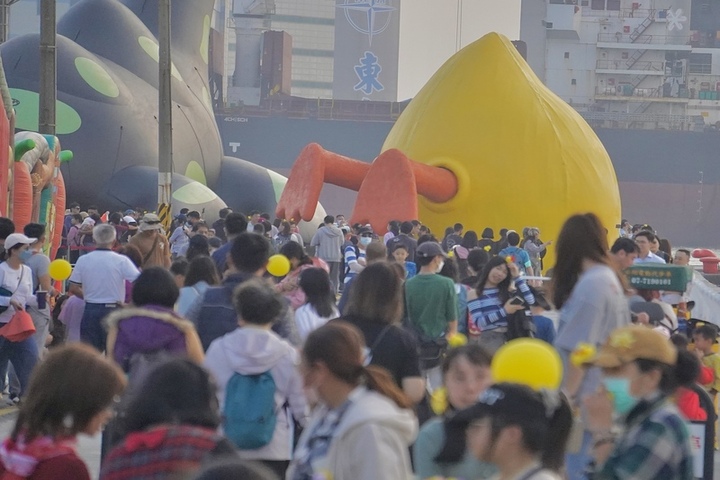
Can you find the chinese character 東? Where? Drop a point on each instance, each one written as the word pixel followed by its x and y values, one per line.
pixel 368 72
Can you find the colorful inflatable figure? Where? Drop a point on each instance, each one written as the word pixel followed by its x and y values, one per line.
pixel 107 57
pixel 484 143
pixel 38 188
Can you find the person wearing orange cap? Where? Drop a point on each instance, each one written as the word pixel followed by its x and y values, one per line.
pixel 641 369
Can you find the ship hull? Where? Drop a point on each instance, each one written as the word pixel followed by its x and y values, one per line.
pixel 668 179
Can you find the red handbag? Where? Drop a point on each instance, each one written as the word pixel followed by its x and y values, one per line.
pixel 19 328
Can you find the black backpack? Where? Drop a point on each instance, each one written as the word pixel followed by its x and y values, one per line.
pixel 520 325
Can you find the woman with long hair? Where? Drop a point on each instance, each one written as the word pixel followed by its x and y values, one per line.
pixel 71 392
pixel 522 432
pixel 172 426
pixel 492 301
pixel 375 307
pixel 364 426
pixel 200 275
pixel 466 374
pixel 591 300
pixel 289 286
pixel 319 304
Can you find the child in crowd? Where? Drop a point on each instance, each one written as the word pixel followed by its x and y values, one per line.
pixel 466 374
pixel 71 316
pixel 704 338
pixel 688 401
pixel 400 254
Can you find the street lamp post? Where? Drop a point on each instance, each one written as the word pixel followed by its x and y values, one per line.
pixel 48 68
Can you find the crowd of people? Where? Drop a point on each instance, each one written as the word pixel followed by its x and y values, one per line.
pixel 195 362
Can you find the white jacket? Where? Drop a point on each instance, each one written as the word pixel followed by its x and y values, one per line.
pixel 371 442
pixel 252 351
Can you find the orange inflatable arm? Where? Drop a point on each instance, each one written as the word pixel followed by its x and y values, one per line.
pixel 388 187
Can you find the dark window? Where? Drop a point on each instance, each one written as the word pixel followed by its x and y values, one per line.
pixel 573 82
pixel 597 5
pixel 567 54
pixel 700 63
pixel 613 5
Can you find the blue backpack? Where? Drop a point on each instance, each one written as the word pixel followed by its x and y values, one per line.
pixel 250 413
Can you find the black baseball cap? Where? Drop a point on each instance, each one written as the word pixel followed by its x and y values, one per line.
pixel 514 402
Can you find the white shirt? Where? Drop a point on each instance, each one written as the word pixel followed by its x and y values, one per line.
pixel 17 281
pixel 651 258
pixel 307 320
pixel 102 274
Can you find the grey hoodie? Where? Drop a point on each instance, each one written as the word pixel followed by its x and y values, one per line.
pixel 252 351
pixel 328 240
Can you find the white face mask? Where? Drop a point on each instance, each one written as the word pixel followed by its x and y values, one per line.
pixel 440 266
pixel 365 241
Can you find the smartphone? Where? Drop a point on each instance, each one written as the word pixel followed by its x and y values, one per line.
pixel 517 301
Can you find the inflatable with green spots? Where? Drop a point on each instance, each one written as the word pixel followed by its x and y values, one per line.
pixel 107 57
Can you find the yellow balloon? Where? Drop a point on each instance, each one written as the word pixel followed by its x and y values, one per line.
pixel 528 361
pixel 487 118
pixel 278 265
pixel 457 340
pixel 59 269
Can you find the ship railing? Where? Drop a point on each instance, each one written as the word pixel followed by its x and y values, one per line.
pixel 623 117
pixel 619 37
pixel 621 65
pixel 326 109
pixel 638 13
pixel 627 90
pixel 588 12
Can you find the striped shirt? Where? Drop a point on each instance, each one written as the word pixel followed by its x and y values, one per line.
pixel 487 311
pixel 353 267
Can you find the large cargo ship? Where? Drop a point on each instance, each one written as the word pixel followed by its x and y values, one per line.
pixel 668 179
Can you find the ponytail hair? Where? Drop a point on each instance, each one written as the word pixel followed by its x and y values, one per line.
pixel 339 345
pixel 379 380
pixel 559 427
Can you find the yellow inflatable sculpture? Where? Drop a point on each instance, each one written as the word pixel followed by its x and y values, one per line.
pixel 484 143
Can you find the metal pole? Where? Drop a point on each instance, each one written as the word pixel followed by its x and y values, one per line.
pixel 48 70
pixel 4 20
pixel 165 113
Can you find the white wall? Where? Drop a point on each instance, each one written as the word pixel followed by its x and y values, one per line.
pixel 428 34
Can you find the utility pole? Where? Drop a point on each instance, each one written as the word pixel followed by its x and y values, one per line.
pixel 165 115
pixel 48 69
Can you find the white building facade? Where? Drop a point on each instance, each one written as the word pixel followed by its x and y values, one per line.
pixel 643 64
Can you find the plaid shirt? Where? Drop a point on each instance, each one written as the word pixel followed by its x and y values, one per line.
pixel 655 445
pixel 163 452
